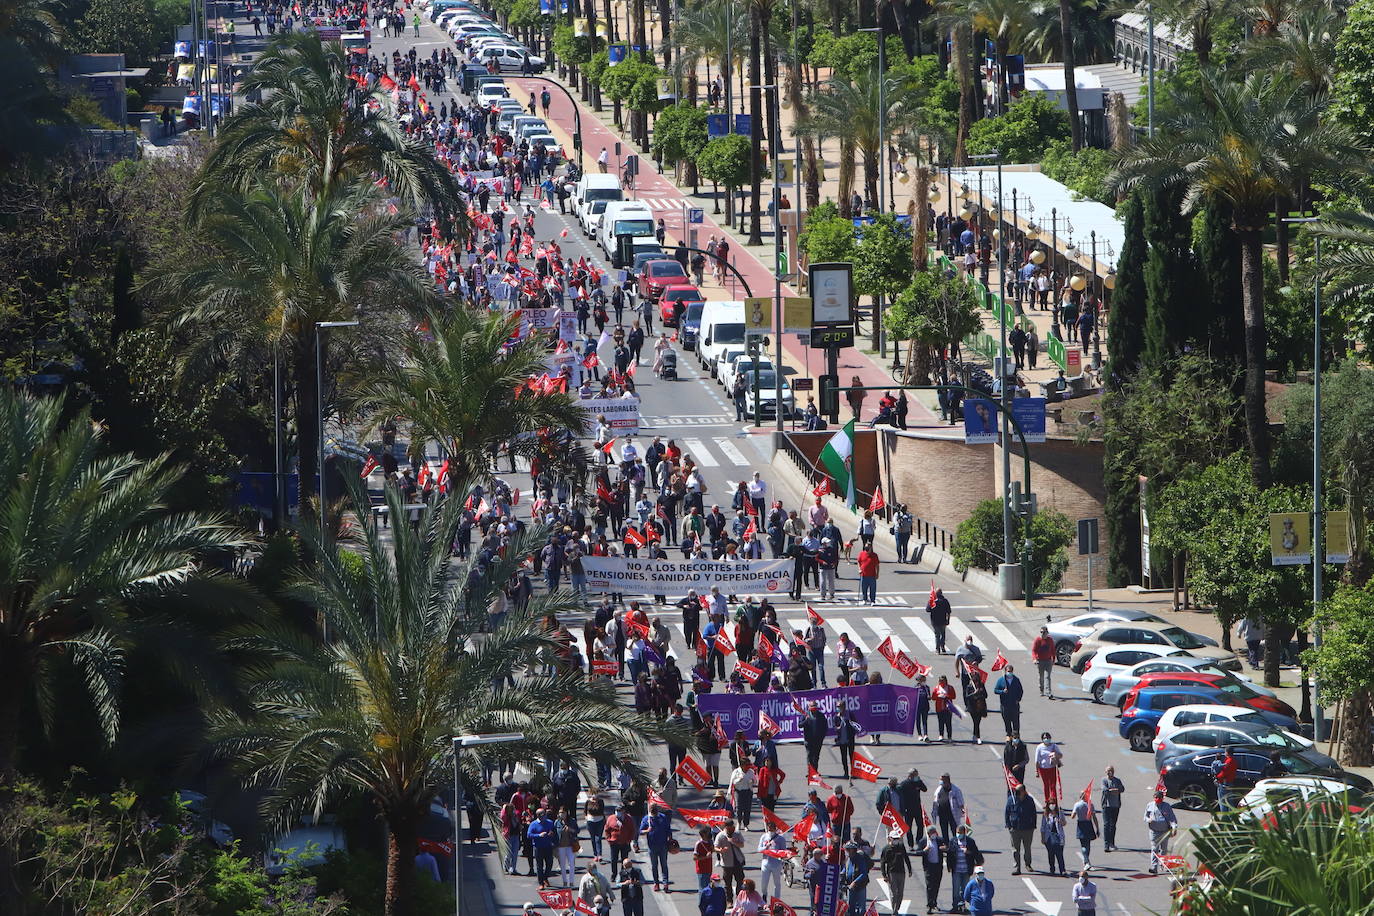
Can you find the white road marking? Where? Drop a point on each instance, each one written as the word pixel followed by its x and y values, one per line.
pixel 728 449
pixel 697 449
pixel 922 630
pixel 960 630
pixel 801 625
pixel 1002 632
pixel 879 625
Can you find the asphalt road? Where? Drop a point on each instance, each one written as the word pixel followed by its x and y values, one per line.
pixel 694 411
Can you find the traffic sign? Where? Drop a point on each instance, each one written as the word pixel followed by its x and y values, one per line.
pixel 696 216
pixel 743 124
pixel 1087 537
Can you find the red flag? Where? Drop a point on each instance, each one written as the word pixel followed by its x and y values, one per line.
pixel 558 899
pixel 925 819
pixel 872 908
pixel 369 466
pixel 765 645
pixel 772 820
pixel 719 729
pixel 886 651
pixel 999 661
pixel 515 497
pixel 635 627
pixel 931 601
pixel 892 819
pixel 750 673
pixel 723 644
pixel 423 478
pixel 604 667
pixel 779 853
pixel 656 799
pixel 777 908
pixel 591 362
pixel 603 492
pixel 802 829
pixel 1087 795
pixel 414 83
pixel 768 723
pixel 1012 781
pixel 693 772
pixel 813 778
pixel 821 488
pixel 704 817
pixel 920 668
pixel 842 907
pixel 438 847
pixel 583 906
pixel 816 619
pixel 386 82
pixel 905 666
pixel 877 502
pixel 751 530
pixel 610 444
pixel 632 536
pixel 863 768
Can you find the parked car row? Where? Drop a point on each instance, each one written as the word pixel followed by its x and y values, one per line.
pixel 465 23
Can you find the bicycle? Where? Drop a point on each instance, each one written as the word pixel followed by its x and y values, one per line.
pixel 627 178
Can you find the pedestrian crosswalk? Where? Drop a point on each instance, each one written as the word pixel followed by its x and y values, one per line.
pixel 655 202
pixel 721 452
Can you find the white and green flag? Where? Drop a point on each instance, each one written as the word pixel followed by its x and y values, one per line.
pixel 838 460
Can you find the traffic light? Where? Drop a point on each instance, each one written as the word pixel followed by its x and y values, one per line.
pixel 830 395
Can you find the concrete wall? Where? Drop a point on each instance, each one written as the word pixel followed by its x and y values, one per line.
pixel 941 480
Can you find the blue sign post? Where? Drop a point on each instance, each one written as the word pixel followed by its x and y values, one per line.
pixel 980 421
pixel 742 124
pixel 717 125
pixel 696 216
pixel 615 54
pixel 1029 413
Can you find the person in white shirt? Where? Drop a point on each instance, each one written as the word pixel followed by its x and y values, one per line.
pixel 1085 895
pixel 1048 758
pixel 770 867
pixel 758 494
pixel 629 451
pixel 742 782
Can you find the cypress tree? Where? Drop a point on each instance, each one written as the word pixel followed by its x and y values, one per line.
pixel 1126 320
pixel 1171 279
pixel 1221 324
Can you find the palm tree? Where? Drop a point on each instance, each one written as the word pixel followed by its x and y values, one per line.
pixel 1305 48
pixel 1199 18
pixel 848 108
pixel 460 385
pixel 316 126
pixel 280 260
pixel 1240 145
pixel 374 710
pixel 1007 22
pixel 1308 858
pixel 37 26
pixel 1349 264
pixel 29 107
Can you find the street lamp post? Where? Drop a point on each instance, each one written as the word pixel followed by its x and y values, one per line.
pixel 776 129
pixel 1150 63
pixel 460 742
pixel 1318 554
pixel 321 326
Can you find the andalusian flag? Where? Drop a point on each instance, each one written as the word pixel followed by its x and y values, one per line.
pixel 838 459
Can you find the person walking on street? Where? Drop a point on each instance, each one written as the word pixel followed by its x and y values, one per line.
pixel 1052 836
pixel 909 792
pixel 855 396
pixel 1020 818
pixel 1085 828
pixel 963 857
pixel 949 805
pixel 543 834
pixel 1048 759
pixel 729 845
pixel 933 849
pixel 868 575
pixel 978 893
pixel 1015 757
pixel 1085 895
pixel 631 889
pixel 770 867
pixel 943 697
pixel 1112 791
pixel 895 864
pixel 940 613
pixel 657 830
pixel 1162 823
pixel 711 898
pixel 846 736
pixel 1042 650
pixel 814 728
pixel 1009 689
pixel 603 159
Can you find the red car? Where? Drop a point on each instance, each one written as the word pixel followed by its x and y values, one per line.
pixel 1234 688
pixel 657 274
pixel 673 293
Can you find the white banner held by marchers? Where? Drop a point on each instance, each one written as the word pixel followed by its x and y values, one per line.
pixel 663 577
pixel 621 413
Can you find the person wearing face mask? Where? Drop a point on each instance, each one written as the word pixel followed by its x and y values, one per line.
pixel 1052 835
pixel 593 885
pixel 1085 895
pixel 770 867
pixel 932 851
pixel 978 893
pixel 1048 759
pixel 896 866
pixel 962 858
pixel 711 898
pixel 949 805
pixel 1015 757
pixel 855 878
pixel 840 808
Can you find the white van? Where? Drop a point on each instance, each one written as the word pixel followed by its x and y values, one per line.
pixel 625 217
pixel 595 186
pixel 722 329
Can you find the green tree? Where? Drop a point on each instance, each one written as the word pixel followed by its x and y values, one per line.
pixel 882 258
pixel 1343 667
pixel 1221 520
pixel 1353 82
pixel 826 236
pixel 848 108
pixel 932 314
pixel 1126 321
pixel 679 134
pixel 1024 133
pixel 119 27
pixel 1084 172
pixel 1171 279
pixel 978 542
pixel 1219 325
pixel 314 126
pixel 619 82
pixel 375 709
pixel 1243 144
pixel 462 387
pixel 36 27
pixel 725 161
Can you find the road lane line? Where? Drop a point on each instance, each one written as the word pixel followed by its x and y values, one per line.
pixel 1002 632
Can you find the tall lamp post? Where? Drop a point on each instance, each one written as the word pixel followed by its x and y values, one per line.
pixel 459 743
pixel 320 327
pixel 776 160
pixel 1318 554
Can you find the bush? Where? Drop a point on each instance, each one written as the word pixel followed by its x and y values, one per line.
pixel 827 236
pixel 1084 172
pixel 1023 133
pixel 978 542
pixel 360 877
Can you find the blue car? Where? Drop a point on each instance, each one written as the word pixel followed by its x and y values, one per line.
pixel 691 325
pixel 1144 707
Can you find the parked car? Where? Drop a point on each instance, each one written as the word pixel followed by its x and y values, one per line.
pixel 1121 682
pixel 589 216
pixel 1145 631
pixel 673 293
pixel 740 364
pixel 1234 688
pixel 1203 713
pixel 490 93
pixel 1285 792
pixel 306 845
pixel 1146 705
pixel 1112 660
pixel 1070 630
pixel 691 325
pixel 657 274
pixel 768 395
pixel 511 57
pixel 1179 741
pixel 1188 778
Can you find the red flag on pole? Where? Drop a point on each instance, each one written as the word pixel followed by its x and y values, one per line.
pixel 821 488
pixel 863 768
pixel 704 817
pixel 751 530
pixel 886 651
pixel 772 820
pixel 768 724
pixel 892 819
pixel 603 492
pixel 1087 795
pixel 877 502
pixel 560 899
pixel 723 644
pixel 635 627
pixel 693 772
pixel 656 799
pixel 816 619
pixel 802 829
pixel 931 601
pixel 633 537
pixel 750 673
pixel 999 661
pixel 369 466
pixel 777 908
pixel 813 778
pixel 905 666
pixel 610 444
pixel 1012 781
pixel 925 819
pixel 765 645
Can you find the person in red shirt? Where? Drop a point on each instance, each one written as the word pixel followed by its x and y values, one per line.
pixel 840 807
pixel 703 857
pixel 868 576
pixel 1042 650
pixel 943 695
pixel 1224 772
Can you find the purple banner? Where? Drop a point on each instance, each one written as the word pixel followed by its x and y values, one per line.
pixel 883 708
pixel 828 891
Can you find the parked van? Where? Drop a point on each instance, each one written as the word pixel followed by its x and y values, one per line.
pixel 722 329
pixel 625 217
pixel 596 186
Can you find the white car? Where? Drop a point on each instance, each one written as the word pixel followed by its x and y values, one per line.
pixel 768 395
pixel 1112 660
pixel 1202 713
pixel 1070 630
pixel 511 57
pixel 307 845
pixel 490 93
pixel 589 216
pixel 1286 791
pixel 729 371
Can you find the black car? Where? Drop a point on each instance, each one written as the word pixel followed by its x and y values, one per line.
pixel 1188 777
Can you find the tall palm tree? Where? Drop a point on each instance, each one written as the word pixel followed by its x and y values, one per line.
pixel 315 125
pixel 1305 48
pixel 373 711
pixel 1008 23
pixel 37 26
pixel 848 108
pixel 460 385
pixel 277 262
pixel 1199 18
pixel 1241 144
pixel 1066 53
pixel 92 563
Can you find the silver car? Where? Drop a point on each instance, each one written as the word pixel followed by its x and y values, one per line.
pixel 1120 682
pixel 1070 630
pixel 1191 738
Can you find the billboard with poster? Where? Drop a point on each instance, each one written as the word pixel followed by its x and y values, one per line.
pixel 758 315
pixel 1290 538
pixel 980 421
pixel 1336 536
pixel 796 315
pixel 832 293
